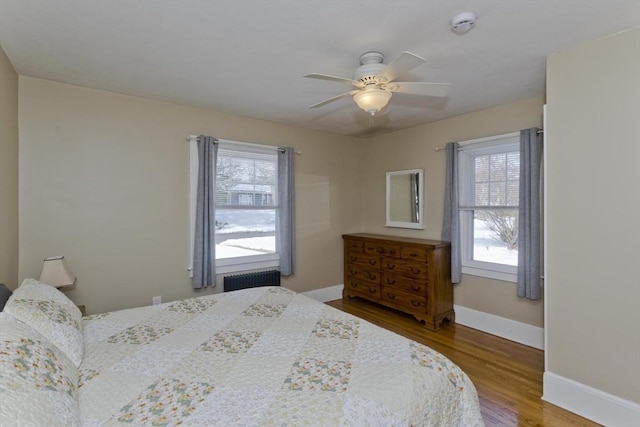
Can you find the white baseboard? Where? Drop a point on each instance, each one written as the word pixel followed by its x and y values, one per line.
pixel 326 294
pixel 512 330
pixel 591 403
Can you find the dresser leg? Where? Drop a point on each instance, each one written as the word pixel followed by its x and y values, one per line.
pixel 450 318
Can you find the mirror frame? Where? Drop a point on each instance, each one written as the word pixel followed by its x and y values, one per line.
pixel 419 224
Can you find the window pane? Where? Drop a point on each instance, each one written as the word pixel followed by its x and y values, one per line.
pixel 497 166
pixel 265 171
pixel 495 236
pixel 498 196
pixel 513 192
pixel 482 168
pixel 245 179
pixel 482 194
pixel 245 232
pixel 513 165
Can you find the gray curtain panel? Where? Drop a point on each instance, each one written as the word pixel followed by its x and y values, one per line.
pixel 451 220
pixel 529 236
pixel 285 231
pixel 204 253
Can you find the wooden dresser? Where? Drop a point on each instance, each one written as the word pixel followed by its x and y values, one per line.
pixel 410 275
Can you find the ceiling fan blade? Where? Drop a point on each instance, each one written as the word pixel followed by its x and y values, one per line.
pixel 403 63
pixel 333 78
pixel 334 98
pixel 420 88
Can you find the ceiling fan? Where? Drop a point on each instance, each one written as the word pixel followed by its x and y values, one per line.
pixel 374 81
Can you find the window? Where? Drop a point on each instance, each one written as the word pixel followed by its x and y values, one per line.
pixel 489 180
pixel 246 204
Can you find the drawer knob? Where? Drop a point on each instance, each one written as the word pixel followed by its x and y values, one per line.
pixel 416 288
pixel 372 276
pixel 415 270
pixel 373 262
pixel 372 289
pixel 415 303
pixel 390 295
pixel 391 266
pixel 413 254
pixel 391 282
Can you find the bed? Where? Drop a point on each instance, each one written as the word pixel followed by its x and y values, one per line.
pixel 260 356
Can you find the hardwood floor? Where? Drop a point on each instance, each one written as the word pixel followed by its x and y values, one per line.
pixel 507 375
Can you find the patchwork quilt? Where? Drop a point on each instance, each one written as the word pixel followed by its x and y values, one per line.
pixel 263 357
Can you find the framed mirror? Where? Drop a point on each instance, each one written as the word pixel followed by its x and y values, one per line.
pixel 405 198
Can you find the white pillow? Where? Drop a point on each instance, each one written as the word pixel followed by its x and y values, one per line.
pixel 51 313
pixel 38 383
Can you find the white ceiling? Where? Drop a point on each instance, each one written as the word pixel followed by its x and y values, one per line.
pixel 248 57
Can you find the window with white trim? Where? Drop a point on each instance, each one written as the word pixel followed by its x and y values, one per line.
pixel 246 205
pixel 489 180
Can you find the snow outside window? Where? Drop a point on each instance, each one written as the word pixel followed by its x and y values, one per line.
pixel 489 180
pixel 246 205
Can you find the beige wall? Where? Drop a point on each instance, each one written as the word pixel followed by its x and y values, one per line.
pixel 415 148
pixel 8 173
pixel 593 199
pixel 105 183
pixel 104 178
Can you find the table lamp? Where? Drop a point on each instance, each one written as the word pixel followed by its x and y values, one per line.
pixel 56 272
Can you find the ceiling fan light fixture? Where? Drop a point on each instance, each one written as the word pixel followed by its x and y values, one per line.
pixel 372 99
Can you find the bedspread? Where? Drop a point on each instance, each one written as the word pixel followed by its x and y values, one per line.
pixel 263 356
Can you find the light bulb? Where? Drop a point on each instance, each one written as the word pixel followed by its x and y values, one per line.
pixel 372 99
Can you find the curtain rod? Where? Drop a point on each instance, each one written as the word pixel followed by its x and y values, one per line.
pixel 445 148
pixel 190 137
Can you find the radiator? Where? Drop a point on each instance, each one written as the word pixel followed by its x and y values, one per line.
pixel 252 280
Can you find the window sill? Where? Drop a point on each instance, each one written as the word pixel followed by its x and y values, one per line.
pixel 236 268
pixel 490 274
pixel 228 266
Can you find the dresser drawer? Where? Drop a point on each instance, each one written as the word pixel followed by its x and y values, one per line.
pixel 404 301
pixel 403 284
pixel 358 272
pixel 353 245
pixel 414 254
pixel 414 270
pixel 361 287
pixel 381 248
pixel 372 261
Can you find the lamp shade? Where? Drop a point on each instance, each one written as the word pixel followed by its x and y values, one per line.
pixel 56 272
pixel 372 99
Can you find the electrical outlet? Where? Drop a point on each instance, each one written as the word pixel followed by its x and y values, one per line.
pixel 156 300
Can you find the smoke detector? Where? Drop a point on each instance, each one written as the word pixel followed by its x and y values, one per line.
pixel 463 22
